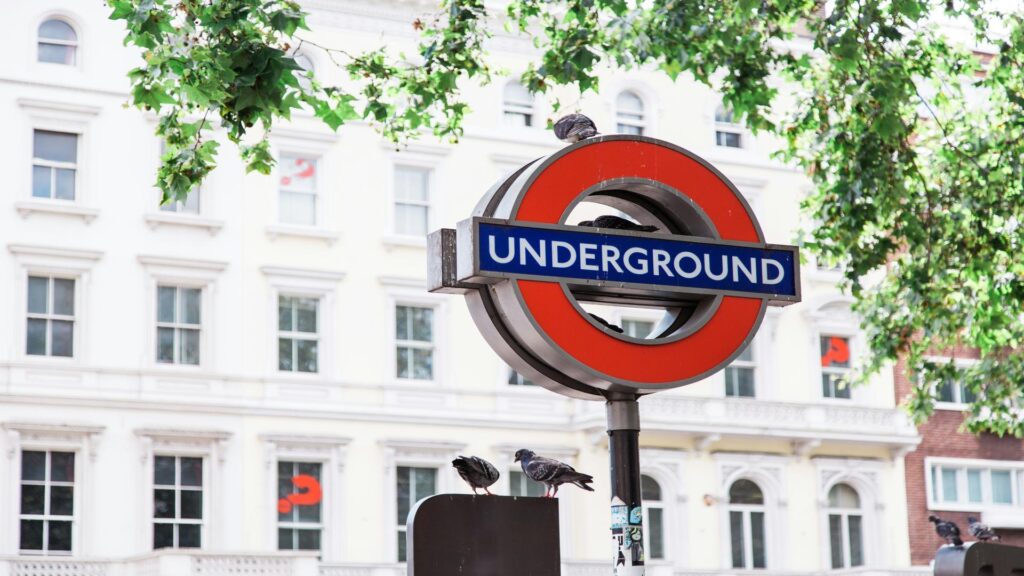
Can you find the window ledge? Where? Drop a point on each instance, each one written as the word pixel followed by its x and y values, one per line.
pixel 27 208
pixel 952 406
pixel 156 219
pixel 276 230
pixel 410 241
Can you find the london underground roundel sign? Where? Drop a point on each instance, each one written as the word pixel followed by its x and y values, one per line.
pixel 697 256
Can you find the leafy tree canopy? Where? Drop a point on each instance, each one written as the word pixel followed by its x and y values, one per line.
pixel 913 138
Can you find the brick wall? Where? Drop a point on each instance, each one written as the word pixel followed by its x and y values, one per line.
pixel 940 437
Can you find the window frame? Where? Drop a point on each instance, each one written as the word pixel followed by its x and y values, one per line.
pixel 823 370
pixel 319 202
pixel 727 127
pixel 738 363
pixel 844 528
pixel 54 165
pixel 746 523
pixel 50 316
pixel 659 505
pixel 304 283
pixel 204 532
pixel 76 44
pixel 957 405
pixel 295 335
pixel 769 473
pixel 642 123
pixel 527 110
pixel 427 204
pixel 320 526
pixel 177 325
pixel 48 483
pixel 415 344
pixel 934 483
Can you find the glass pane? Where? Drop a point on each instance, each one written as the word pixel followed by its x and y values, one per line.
pixel 55 146
pixel 188 536
pixel 423 364
pixel 165 296
pixel 163 536
pixel 739 381
pixel 62 338
pixel 33 499
pixel 835 351
pixel 649 488
pixel 412 183
pixel 35 337
pixel 637 328
pixel 305 314
pixel 191 471
pixel 401 546
pixel 298 208
pixel 967 396
pixel 190 305
pixel 835 539
pixel 974 485
pixel 426 479
pixel 656 533
pixel 309 469
pixel 1002 491
pixel 57 30
pixel 843 496
pixel 517 94
pixel 402 322
pixel 165 344
pixel 189 346
pixel 284 539
pixel 284 313
pixel 757 538
pixel 31 535
pixel 309 513
pixel 191 204
pixel 935 483
pixel 723 114
pixel 745 492
pixel 516 484
pixel 411 220
pixel 192 504
pixel 65 189
pixel 41 181
pixel 33 465
pixel 944 391
pixel 163 471
pixel 630 104
pixel 309 539
pixel 62 466
pixel 64 296
pixel 298 173
pixel 403 361
pixel 38 295
pixel 727 139
pixel 736 533
pixel 630 129
pixel 517 119
pixel 307 355
pixel 284 354
pixel 403 490
pixel 856 541
pixel 56 53
pixel 62 500
pixel 163 503
pixel 422 324
pixel 60 536
pixel 949 493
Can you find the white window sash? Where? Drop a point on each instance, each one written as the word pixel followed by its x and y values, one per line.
pixel 46 517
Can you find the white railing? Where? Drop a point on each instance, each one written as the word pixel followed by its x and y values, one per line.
pixel 597 568
pixel 350 569
pixel 53 567
pixel 168 563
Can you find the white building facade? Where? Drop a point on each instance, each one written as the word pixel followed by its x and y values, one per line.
pixel 166 371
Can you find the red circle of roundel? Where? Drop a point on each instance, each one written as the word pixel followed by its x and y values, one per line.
pixel 559 184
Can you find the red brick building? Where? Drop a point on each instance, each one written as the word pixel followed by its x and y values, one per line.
pixel 954 474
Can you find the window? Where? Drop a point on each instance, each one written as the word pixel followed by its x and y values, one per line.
pixel 746 525
pixel 54 164
pixel 629 114
pixel 47 502
pixel 412 200
pixel 190 205
pixel 518 105
pixel 835 366
pixel 637 328
pixel 654 517
pixel 414 335
pixel 517 379
pixel 739 376
pixel 413 485
pixel 177 502
pixel 298 338
pixel 727 133
pixel 178 324
pixel 297 191
pixel 845 527
pixel 58 42
pixel 50 328
pixel 958 484
pixel 955 392
pixel 521 486
pixel 300 527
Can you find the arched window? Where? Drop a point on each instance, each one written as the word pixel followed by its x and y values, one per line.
pixel 727 132
pixel 845 527
pixel 654 518
pixel 518 105
pixel 58 42
pixel 746 525
pixel 629 114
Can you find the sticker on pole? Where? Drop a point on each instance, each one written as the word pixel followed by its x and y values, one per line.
pixel 675 240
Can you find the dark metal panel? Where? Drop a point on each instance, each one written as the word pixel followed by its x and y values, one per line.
pixel 979 559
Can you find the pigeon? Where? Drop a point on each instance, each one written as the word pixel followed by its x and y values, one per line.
pixel 981 531
pixel 551 473
pixel 616 223
pixel 947 530
pixel 477 472
pixel 575 127
pixel 606 324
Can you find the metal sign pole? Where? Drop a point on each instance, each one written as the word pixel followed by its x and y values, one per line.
pixel 627 513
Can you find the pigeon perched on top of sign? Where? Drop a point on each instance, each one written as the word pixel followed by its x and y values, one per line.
pixel 477 472
pixel 981 531
pixel 947 530
pixel 575 127
pixel 551 473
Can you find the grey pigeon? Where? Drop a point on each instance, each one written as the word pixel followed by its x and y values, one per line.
pixel 606 323
pixel 477 472
pixel 947 530
pixel 551 473
pixel 575 127
pixel 616 223
pixel 981 531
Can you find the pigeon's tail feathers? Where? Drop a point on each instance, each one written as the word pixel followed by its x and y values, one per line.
pixel 581 480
